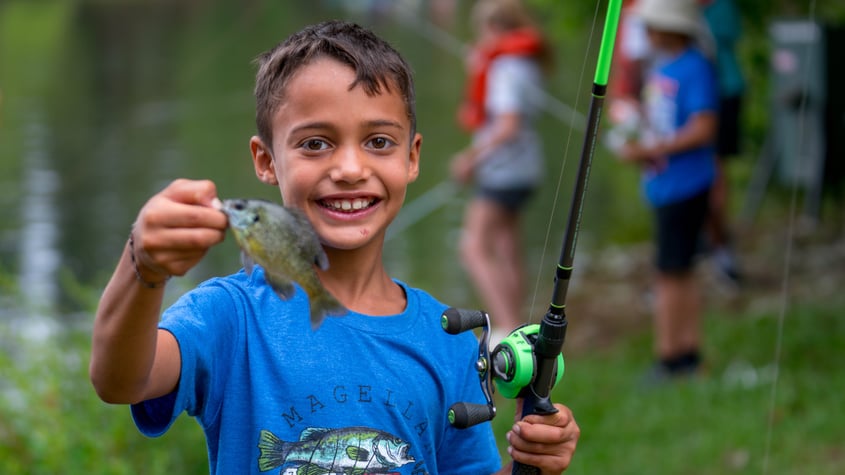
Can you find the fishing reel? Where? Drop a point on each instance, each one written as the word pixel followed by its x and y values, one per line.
pixel 511 366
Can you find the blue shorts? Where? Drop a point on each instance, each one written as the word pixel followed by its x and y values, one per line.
pixel 512 199
pixel 679 227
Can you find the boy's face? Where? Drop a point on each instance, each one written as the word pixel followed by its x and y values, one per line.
pixel 341 156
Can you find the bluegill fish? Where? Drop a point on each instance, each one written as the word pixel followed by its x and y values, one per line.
pixel 352 450
pixel 283 242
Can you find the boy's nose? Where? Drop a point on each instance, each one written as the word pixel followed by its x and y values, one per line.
pixel 350 165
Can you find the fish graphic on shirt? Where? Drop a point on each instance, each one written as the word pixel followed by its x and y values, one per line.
pixel 348 451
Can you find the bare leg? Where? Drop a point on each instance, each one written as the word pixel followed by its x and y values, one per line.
pixel 677 314
pixel 717 214
pixel 492 255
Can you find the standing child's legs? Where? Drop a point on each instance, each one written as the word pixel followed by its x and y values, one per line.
pixel 678 305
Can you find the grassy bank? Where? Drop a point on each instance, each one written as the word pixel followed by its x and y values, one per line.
pixel 757 410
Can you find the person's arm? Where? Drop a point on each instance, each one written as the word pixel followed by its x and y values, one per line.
pixel 504 129
pixel 131 360
pixel 546 442
pixel 699 131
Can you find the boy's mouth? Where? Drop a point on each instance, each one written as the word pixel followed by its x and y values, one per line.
pixel 348 205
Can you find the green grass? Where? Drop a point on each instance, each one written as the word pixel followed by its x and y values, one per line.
pixel 746 415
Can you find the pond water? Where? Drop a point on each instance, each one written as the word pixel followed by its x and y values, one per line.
pixel 103 103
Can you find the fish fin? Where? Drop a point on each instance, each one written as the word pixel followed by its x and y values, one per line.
pixel 248 263
pixel 321 259
pixel 281 284
pixel 358 454
pixel 324 305
pixel 313 246
pixel 313 433
pixel 274 451
pixel 311 469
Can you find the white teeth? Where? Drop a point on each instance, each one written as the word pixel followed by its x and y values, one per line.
pixel 347 205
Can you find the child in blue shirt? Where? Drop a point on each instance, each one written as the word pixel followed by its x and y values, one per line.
pixel 677 156
pixel 367 392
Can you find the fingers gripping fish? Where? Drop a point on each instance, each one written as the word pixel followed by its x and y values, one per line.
pixel 283 242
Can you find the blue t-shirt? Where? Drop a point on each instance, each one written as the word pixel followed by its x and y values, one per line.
pixel 361 394
pixel 676 90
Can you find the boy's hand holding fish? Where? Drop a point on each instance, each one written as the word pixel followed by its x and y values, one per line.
pixel 175 229
pixel 177 226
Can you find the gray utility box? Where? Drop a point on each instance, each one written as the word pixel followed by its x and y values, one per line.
pixel 808 103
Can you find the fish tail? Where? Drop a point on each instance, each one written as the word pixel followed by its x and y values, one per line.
pixel 274 451
pixel 323 304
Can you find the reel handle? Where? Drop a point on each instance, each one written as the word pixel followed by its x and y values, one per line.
pixel 466 414
pixel 458 320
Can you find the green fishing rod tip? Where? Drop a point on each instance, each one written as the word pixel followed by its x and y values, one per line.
pixel 608 40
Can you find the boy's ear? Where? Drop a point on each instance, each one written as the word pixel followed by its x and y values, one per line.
pixel 262 160
pixel 414 158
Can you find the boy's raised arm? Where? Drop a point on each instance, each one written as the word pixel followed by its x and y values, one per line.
pixel 131 360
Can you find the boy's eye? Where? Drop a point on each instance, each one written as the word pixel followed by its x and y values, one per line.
pixel 380 143
pixel 315 145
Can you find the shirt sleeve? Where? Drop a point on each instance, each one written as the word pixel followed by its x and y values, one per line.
pixel 202 323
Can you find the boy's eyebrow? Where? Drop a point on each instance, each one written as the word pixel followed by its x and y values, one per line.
pixel 321 125
pixel 385 123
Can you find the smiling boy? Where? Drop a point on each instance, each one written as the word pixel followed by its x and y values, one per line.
pixel 367 392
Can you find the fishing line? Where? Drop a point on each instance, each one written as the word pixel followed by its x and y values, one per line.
pixel 563 163
pixel 790 237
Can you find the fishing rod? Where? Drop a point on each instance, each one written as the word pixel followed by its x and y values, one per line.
pixel 529 361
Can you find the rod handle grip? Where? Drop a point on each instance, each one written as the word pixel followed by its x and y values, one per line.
pixel 458 320
pixel 522 469
pixel 467 414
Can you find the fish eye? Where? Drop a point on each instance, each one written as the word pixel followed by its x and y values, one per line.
pixel 239 205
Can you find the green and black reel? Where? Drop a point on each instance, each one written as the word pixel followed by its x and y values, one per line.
pixel 513 362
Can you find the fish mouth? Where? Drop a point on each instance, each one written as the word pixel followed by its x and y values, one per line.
pixel 348 205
